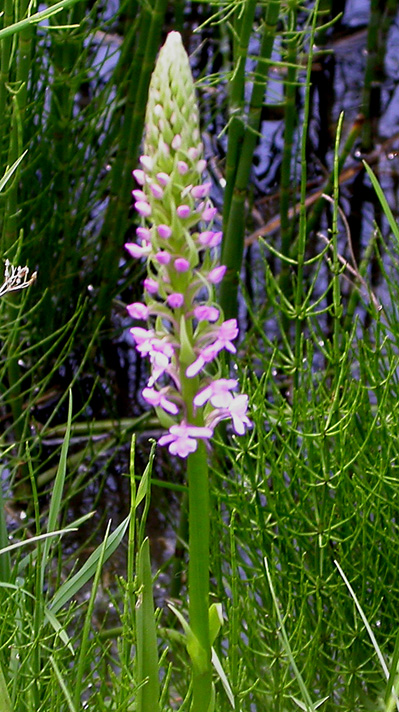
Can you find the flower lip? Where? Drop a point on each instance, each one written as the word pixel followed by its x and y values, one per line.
pixel 203 312
pixel 138 251
pixel 137 310
pixel 218 393
pixel 158 399
pixel 182 438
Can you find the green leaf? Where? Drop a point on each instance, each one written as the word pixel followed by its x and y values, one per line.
pixel 76 582
pixel 222 676
pixel 147 650
pixel 5 702
pixel 215 621
pixel 384 203
pixel 194 648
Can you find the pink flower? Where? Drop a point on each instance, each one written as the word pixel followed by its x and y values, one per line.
pixel 201 191
pixel 209 213
pixel 159 351
pixel 182 438
pixel 236 409
pixel 206 356
pixel 163 258
pixel 158 399
pixel 143 208
pixel 176 142
pixel 205 313
pixel 163 179
pixel 139 176
pixel 175 300
pixel 143 338
pixel 137 310
pixel 218 393
pixel 208 238
pixel 146 342
pixel 183 211
pixel 139 195
pixel 144 233
pixel 151 285
pixel 201 165
pixel 156 190
pixel 181 264
pixel 164 231
pixel 228 331
pixel 182 167
pixel 138 251
pixel 216 275
pixel 146 162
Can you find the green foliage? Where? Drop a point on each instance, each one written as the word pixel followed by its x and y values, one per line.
pixel 304 511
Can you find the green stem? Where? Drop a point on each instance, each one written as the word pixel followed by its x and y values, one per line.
pixel 286 190
pixel 233 244
pixel 117 216
pixel 320 204
pixel 299 287
pixel 198 576
pixel 243 31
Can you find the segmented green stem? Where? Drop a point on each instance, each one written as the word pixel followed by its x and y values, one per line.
pixel 233 241
pixel 117 217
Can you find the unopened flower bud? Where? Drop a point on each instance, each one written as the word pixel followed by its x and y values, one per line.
pixel 143 208
pixel 181 264
pixel 176 142
pixel 183 211
pixel 201 191
pixel 139 176
pixel 164 231
pixel 209 213
pixel 151 285
pixel 216 275
pixel 163 258
pixel 156 190
pixel 182 167
pixel 163 179
pixel 175 300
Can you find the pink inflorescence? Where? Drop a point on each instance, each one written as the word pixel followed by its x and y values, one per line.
pixel 178 240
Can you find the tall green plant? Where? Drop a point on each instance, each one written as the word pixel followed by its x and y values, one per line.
pixel 187 330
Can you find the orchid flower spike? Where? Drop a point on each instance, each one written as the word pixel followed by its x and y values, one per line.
pixel 177 238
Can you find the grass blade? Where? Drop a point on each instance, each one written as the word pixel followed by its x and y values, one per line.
pixel 75 583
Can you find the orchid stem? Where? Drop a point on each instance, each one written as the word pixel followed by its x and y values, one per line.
pixel 198 573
